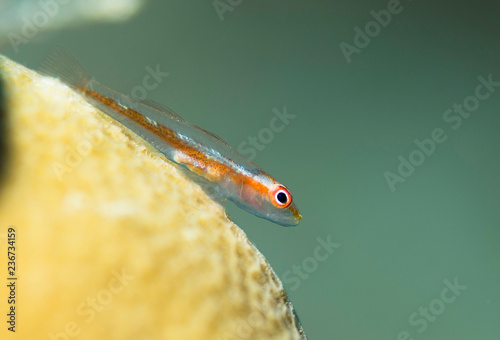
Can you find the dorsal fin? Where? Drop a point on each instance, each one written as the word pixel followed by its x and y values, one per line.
pixel 162 108
pixel 61 64
pixel 211 134
pixel 169 112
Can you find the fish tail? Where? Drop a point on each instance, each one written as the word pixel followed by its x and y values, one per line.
pixel 61 64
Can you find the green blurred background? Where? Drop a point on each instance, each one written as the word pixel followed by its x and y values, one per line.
pixel 394 249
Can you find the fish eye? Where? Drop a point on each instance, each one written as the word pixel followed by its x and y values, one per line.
pixel 282 198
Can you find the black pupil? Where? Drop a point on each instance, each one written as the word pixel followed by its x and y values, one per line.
pixel 282 197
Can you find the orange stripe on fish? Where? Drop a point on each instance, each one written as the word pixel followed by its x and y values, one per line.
pixel 206 158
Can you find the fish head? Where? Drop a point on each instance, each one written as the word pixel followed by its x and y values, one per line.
pixel 270 200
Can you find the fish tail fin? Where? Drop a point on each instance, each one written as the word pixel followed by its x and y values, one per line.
pixel 61 64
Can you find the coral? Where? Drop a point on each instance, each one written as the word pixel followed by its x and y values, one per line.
pixel 112 241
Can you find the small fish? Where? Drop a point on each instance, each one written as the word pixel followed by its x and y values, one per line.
pixel 203 156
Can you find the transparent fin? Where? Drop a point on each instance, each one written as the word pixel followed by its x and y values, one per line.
pixel 162 108
pixel 211 189
pixel 211 134
pixel 61 64
pixel 170 113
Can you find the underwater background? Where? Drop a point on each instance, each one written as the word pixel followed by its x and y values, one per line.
pixel 381 117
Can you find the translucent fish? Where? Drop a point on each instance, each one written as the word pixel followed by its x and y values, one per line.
pixel 203 156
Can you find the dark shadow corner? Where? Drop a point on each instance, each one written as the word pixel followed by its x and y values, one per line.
pixel 4 135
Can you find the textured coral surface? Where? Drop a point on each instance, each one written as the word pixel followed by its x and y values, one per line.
pixel 112 242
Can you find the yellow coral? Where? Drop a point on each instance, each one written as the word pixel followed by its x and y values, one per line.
pixel 111 241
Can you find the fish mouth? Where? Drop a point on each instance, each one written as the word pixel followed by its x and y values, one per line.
pixel 293 219
pixel 295 213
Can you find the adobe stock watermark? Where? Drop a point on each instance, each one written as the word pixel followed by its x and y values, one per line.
pixel 150 82
pixel 223 6
pixel 250 148
pixel 254 144
pixel 246 327
pixel 265 136
pixel 36 22
pixel 75 155
pixel 363 38
pixel 430 312
pixel 310 264
pixel 88 309
pixel 454 117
